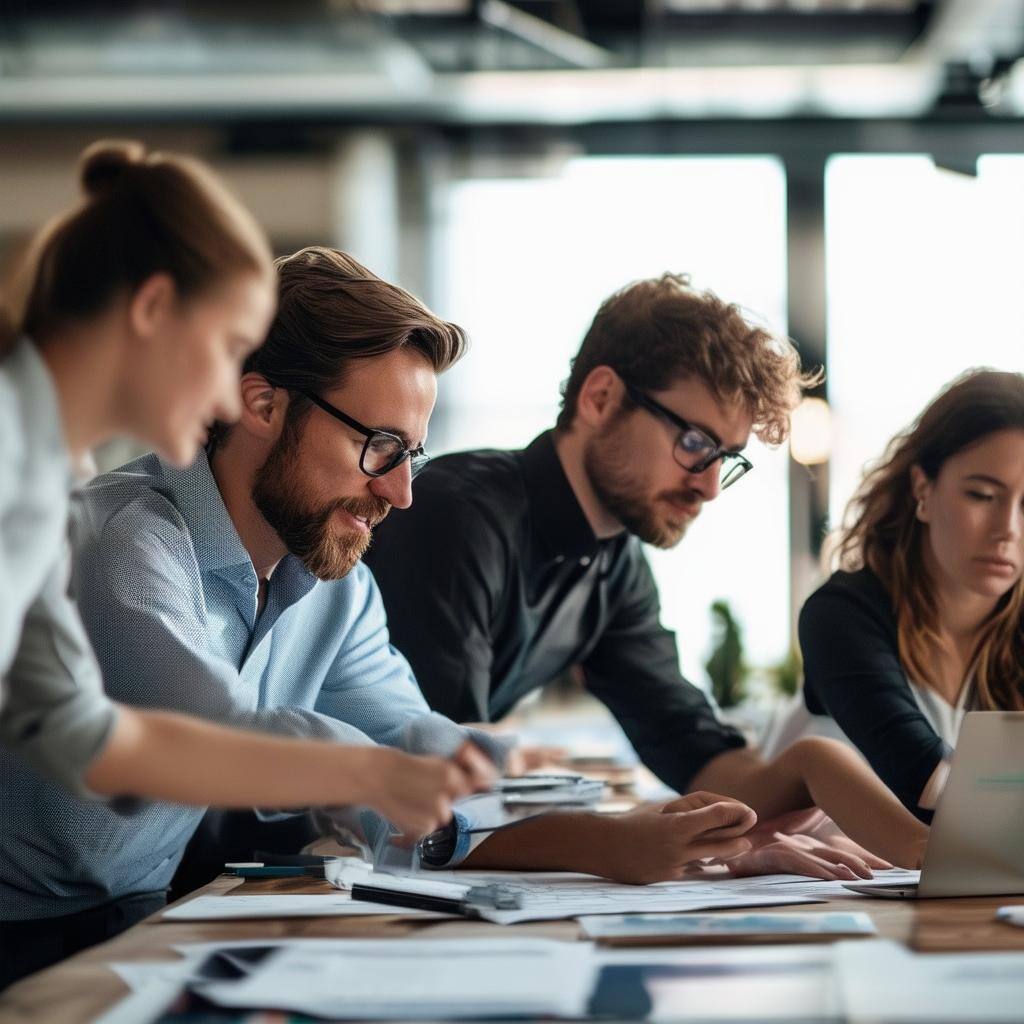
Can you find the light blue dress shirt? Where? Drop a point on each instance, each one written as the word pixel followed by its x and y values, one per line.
pixel 168 594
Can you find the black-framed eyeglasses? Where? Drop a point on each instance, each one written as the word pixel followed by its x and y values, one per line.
pixel 694 449
pixel 382 451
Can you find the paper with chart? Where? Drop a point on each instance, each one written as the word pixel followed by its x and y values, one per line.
pixel 547 896
pixel 418 979
pixel 674 929
pixel 229 908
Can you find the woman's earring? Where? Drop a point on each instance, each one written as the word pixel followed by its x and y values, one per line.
pixel 920 509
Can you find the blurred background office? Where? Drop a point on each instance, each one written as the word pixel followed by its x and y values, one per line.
pixel 850 171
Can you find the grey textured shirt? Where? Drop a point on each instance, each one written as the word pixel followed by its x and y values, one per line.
pixel 53 712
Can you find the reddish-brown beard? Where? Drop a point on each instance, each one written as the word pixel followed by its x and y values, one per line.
pixel 304 526
pixel 620 490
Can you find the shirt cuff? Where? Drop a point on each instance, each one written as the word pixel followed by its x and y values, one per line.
pixel 475 818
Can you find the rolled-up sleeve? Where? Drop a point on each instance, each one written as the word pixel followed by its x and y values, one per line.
pixel 56 715
pixel 634 671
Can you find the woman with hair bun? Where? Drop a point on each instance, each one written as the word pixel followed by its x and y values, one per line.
pixel 925 619
pixel 136 310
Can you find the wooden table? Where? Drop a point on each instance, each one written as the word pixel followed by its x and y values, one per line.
pixel 79 989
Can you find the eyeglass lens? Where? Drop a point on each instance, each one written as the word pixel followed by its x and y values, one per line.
pixel 692 450
pixel 383 452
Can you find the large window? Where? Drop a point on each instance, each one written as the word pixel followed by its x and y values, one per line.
pixel 524 264
pixel 924 271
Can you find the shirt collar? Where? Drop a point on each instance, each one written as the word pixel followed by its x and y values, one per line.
pixel 195 494
pixel 554 510
pixel 219 549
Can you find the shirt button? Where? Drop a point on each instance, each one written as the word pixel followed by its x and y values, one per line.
pixel 585 560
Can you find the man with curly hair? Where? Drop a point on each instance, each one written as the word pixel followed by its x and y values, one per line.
pixel 512 567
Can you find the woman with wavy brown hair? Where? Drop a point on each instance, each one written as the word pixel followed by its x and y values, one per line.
pixel 923 620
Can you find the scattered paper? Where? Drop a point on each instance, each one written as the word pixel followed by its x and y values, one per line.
pixel 747 983
pixel 418 979
pixel 821 889
pixel 666 929
pixel 245 907
pixel 880 980
pixel 153 986
pixel 547 896
pixel 196 951
pixel 550 789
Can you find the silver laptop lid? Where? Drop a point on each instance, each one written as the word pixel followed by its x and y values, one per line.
pixel 976 846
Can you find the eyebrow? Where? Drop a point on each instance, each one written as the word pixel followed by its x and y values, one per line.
pixel 985 478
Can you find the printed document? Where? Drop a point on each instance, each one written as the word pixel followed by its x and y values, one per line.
pixel 418 979
pixel 233 908
pixel 547 896
pixel 880 980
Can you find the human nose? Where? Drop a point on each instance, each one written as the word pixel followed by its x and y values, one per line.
pixel 1011 523
pixel 395 486
pixel 228 407
pixel 707 482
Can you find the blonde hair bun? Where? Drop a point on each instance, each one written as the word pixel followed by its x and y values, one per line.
pixel 102 165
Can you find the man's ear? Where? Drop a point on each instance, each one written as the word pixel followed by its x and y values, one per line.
pixel 151 304
pixel 263 407
pixel 921 488
pixel 600 396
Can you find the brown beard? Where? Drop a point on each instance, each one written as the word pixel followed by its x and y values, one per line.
pixel 305 526
pixel 620 490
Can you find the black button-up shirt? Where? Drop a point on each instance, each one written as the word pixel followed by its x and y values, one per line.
pixel 495 584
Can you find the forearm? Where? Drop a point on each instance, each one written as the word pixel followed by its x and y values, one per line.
pixel 563 841
pixel 166 756
pixel 742 774
pixel 828 774
pixel 857 800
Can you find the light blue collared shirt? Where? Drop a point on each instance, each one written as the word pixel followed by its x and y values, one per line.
pixel 168 594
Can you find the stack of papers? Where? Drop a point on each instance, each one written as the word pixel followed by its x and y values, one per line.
pixel 557 790
pixel 550 896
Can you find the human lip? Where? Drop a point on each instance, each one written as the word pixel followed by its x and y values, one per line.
pixel 357 522
pixel 1003 566
pixel 689 509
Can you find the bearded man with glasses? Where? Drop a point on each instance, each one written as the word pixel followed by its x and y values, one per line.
pixel 513 567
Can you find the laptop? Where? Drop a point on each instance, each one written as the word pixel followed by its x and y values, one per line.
pixel 976 846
